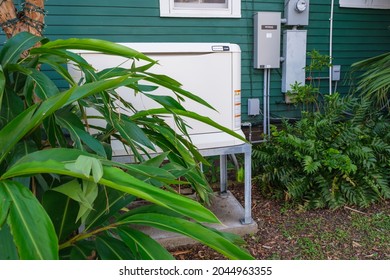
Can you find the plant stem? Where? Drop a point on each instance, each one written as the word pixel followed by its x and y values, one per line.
pixel 86 235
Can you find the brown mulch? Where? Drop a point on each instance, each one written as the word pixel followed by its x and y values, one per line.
pixel 288 232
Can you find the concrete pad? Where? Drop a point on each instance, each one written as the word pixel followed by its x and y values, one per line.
pixel 228 210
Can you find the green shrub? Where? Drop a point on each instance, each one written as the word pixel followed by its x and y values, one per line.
pixel 328 159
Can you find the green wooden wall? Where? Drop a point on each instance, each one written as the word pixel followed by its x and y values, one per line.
pixel 358 34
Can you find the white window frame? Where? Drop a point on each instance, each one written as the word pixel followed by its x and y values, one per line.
pixel 366 4
pixel 167 9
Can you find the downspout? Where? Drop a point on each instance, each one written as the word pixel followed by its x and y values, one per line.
pixel 331 47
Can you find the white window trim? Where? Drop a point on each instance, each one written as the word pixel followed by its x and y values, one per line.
pixel 365 4
pixel 167 9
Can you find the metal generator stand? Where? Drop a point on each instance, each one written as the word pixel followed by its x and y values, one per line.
pixel 223 152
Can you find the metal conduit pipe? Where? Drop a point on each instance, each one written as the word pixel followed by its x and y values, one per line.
pixel 331 45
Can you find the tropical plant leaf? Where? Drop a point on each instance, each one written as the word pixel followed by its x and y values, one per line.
pixel 44 86
pixel 15 46
pixel 86 166
pixel 4 209
pixel 76 130
pixel 97 46
pixel 110 248
pixel 83 250
pixel 131 132
pixel 2 85
pixel 85 194
pixel 142 246
pixel 99 86
pixel 196 231
pixel 33 232
pixel 54 132
pixel 12 106
pixel 189 114
pixel 166 101
pixel 27 120
pixel 63 212
pixel 8 250
pixel 112 177
pixel 168 83
pixel 106 205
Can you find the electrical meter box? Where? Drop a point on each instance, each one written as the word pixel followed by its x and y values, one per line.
pixel 296 12
pixel 267 40
pixel 294 53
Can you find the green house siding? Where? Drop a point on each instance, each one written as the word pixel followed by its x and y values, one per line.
pixel 357 34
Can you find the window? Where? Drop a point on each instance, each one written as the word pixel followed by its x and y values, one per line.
pixel 200 8
pixel 369 4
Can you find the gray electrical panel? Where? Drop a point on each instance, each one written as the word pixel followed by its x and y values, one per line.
pixel 253 106
pixel 267 40
pixel 296 12
pixel 294 53
pixel 336 70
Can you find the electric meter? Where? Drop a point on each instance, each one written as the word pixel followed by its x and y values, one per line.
pixel 296 12
pixel 301 6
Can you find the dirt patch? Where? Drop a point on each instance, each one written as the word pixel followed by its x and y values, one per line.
pixel 287 232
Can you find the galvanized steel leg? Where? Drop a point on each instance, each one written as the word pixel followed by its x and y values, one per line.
pixel 248 187
pixel 223 174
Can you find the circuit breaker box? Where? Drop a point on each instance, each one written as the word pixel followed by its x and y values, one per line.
pixel 267 40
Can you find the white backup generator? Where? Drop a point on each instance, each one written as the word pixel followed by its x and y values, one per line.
pixel 211 71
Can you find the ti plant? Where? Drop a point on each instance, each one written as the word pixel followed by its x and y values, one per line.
pixel 61 195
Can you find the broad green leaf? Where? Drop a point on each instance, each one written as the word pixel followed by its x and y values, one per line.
pixel 31 227
pixel 8 250
pixel 58 67
pixel 113 177
pixel 63 213
pixel 131 132
pixel 119 71
pixel 44 86
pixel 156 161
pixel 15 46
pixel 166 101
pixel 110 248
pixel 76 130
pixel 14 131
pixel 73 190
pixel 27 120
pixel 188 114
pixel 83 250
pixel 22 149
pixel 176 89
pixel 196 231
pixel 90 192
pixel 4 209
pixel 106 205
pixel 149 208
pixel 12 106
pixel 54 132
pixel 167 140
pixel 2 85
pixel 99 86
pixel 96 45
pixel 84 194
pixel 143 246
pixel 86 166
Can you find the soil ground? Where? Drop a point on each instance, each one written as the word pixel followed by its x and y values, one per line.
pixel 287 232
